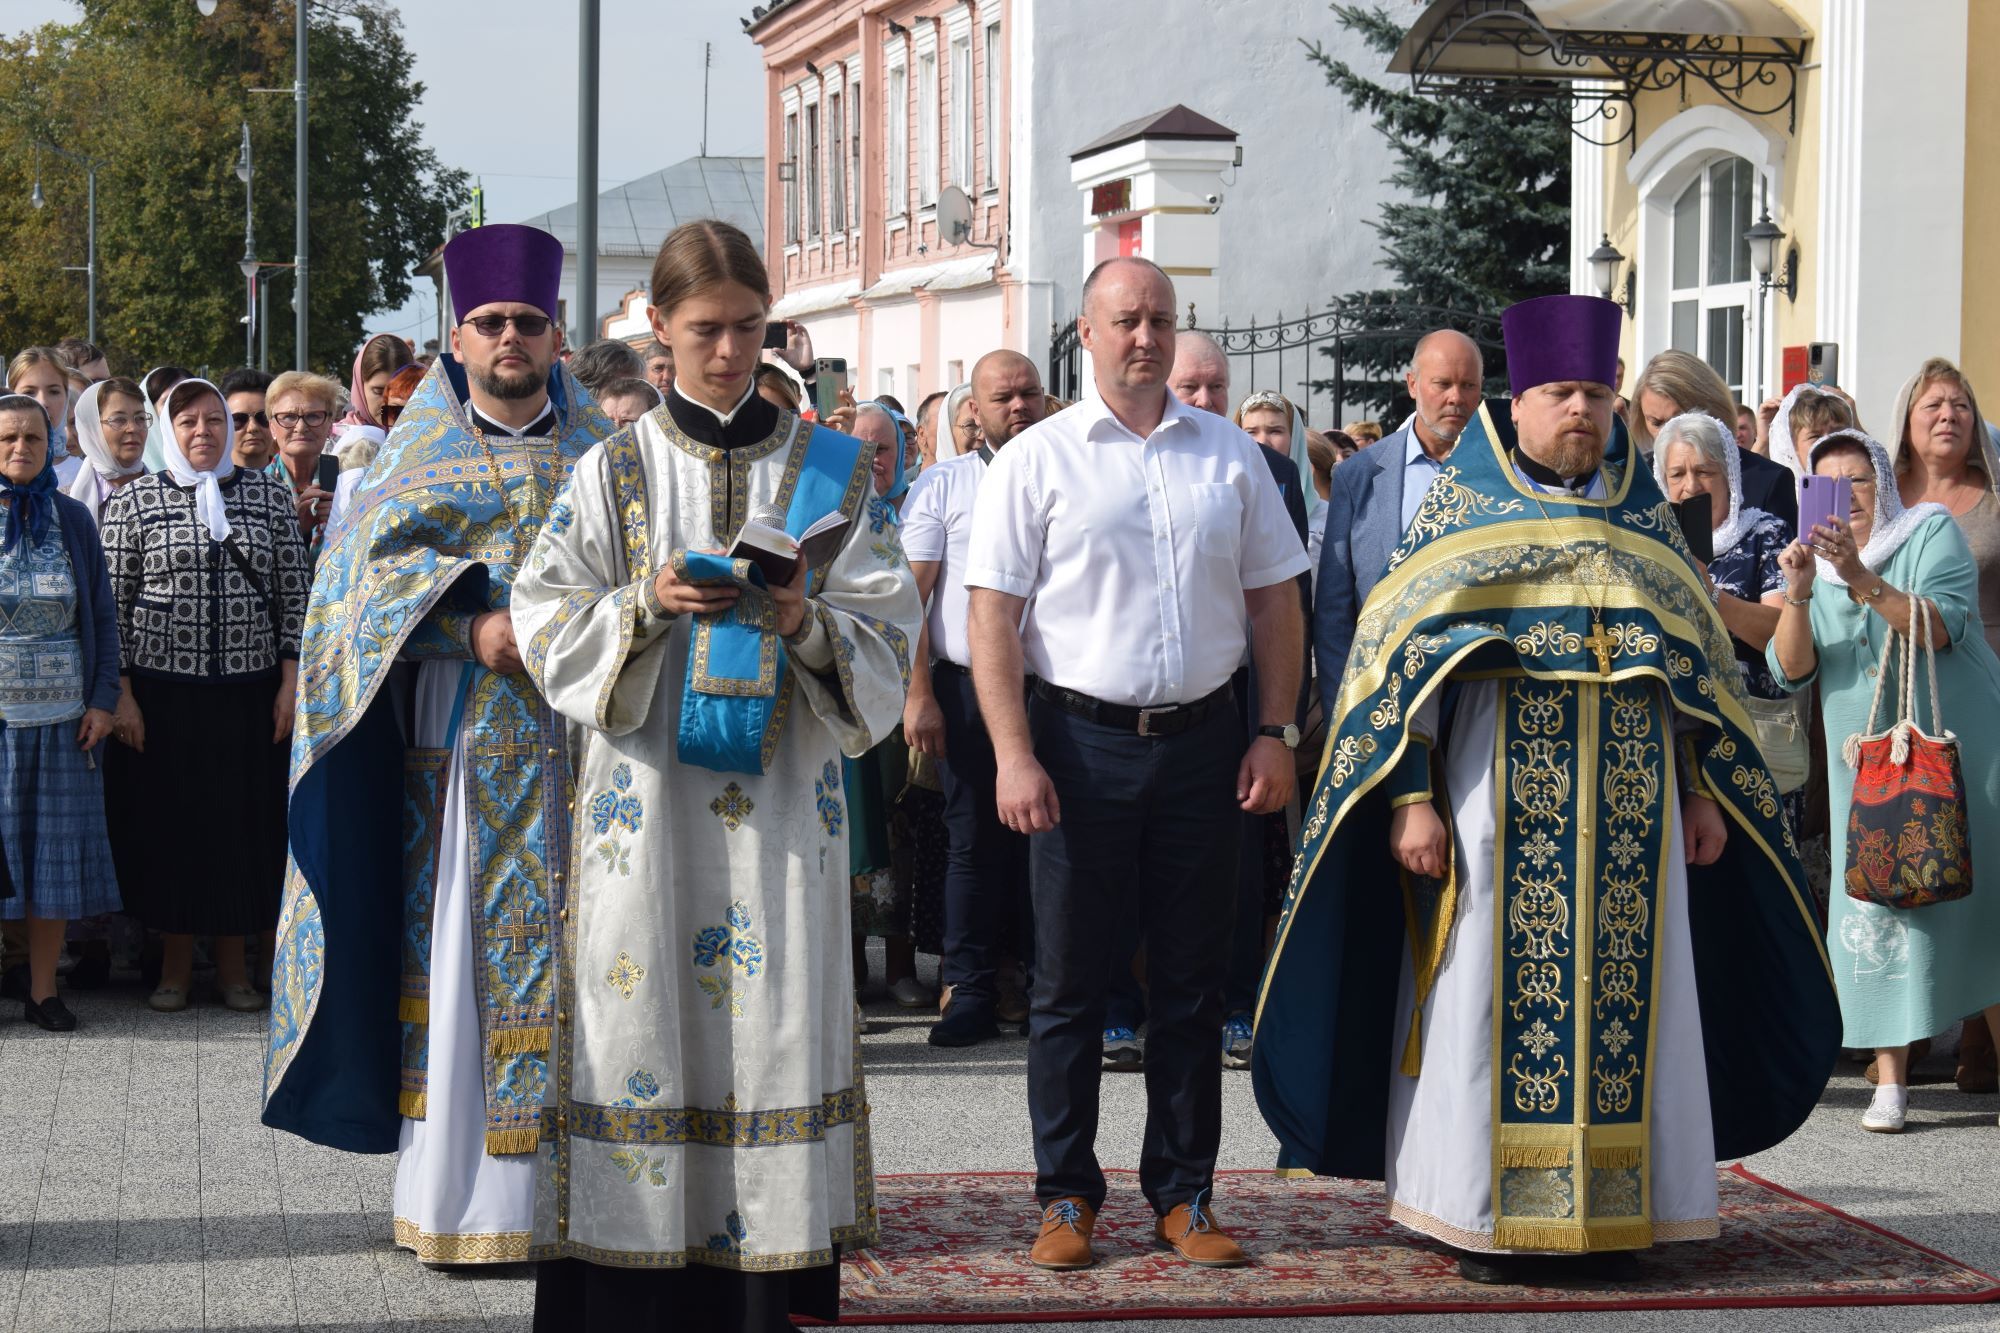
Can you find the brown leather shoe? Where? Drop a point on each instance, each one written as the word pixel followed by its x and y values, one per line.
pixel 1190 1229
pixel 1978 1070
pixel 1065 1240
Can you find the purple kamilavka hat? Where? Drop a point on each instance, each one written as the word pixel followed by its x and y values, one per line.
pixel 503 262
pixel 1557 338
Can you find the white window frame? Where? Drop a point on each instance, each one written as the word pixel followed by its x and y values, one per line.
pixel 958 113
pixel 856 105
pixel 996 56
pixel 789 128
pixel 928 98
pixel 836 158
pixel 811 170
pixel 896 137
pixel 1709 296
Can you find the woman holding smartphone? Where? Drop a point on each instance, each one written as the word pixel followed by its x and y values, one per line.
pixel 301 407
pixel 1902 974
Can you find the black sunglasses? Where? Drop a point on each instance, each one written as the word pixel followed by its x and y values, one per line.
pixel 492 326
pixel 242 419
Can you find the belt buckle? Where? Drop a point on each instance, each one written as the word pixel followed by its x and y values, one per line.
pixel 1146 716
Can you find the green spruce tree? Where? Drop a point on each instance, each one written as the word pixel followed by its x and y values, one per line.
pixel 1487 222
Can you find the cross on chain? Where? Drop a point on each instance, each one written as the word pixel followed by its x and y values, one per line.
pixel 517 932
pixel 1600 643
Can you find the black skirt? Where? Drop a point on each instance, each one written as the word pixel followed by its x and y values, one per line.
pixel 197 821
pixel 572 1296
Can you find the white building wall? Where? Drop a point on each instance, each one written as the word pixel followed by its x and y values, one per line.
pixel 970 324
pixel 1294 220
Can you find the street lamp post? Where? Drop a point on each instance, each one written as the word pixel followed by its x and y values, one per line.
pixel 586 172
pixel 244 173
pixel 89 166
pixel 298 90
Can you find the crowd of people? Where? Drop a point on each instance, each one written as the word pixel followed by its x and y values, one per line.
pixel 639 677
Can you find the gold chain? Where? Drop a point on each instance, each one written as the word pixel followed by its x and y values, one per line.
pixel 500 482
pixel 1598 641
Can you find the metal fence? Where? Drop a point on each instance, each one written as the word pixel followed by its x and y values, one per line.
pixel 1318 361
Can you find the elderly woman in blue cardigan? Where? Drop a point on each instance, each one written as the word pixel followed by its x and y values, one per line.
pixel 58 687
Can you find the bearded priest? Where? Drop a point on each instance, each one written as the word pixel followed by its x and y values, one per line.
pixel 1586 866
pixel 430 788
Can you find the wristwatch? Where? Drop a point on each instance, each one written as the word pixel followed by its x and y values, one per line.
pixel 1288 733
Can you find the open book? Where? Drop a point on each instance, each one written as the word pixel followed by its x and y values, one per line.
pixel 763 541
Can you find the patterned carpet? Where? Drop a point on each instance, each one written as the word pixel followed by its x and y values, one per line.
pixel 955 1251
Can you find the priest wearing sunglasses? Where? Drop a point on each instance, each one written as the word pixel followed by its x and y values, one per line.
pixel 415 981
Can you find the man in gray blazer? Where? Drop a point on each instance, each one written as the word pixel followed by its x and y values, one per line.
pixel 1376 493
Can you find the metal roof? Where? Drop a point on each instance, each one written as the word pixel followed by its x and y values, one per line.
pixel 634 218
pixel 1176 122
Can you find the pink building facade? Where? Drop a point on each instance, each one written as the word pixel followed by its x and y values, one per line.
pixel 873 110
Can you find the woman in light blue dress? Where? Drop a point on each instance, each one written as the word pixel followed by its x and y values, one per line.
pixel 1902 974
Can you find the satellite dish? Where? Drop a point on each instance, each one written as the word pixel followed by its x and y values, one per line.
pixel 954 215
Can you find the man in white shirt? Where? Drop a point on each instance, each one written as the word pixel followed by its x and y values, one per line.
pixel 987 874
pixel 1123 553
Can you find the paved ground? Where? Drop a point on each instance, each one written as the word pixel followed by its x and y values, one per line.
pixel 138 1191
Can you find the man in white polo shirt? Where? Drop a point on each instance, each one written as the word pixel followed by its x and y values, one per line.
pixel 986 876
pixel 1123 553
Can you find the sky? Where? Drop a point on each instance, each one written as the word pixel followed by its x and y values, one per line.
pixel 469 53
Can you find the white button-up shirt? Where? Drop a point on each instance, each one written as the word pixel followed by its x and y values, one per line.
pixel 937 525
pixel 1134 554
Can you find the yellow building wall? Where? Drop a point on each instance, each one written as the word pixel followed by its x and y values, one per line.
pixel 1979 326
pixel 1794 207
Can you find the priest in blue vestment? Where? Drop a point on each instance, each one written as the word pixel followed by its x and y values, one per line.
pixel 414 995
pixel 1546 956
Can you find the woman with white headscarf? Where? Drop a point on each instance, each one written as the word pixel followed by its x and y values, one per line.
pixel 1902 974
pixel 1805 413
pixel 210 577
pixel 112 420
pixel 958 424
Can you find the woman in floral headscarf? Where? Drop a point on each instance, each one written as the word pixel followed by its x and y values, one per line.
pixel 1902 974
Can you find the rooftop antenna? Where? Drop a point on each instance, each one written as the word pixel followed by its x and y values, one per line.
pixel 707 59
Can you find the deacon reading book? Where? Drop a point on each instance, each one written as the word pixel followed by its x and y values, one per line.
pixel 763 541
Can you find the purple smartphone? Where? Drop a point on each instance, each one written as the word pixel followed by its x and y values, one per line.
pixel 1822 499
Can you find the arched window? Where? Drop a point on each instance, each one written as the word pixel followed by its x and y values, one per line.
pixel 1711 277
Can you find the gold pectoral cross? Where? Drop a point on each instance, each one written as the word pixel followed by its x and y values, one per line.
pixel 1600 643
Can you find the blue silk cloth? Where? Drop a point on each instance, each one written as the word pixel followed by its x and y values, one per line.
pixel 435 538
pixel 736 664
pixel 1543 590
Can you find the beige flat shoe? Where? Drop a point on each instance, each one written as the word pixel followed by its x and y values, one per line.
pixel 168 999
pixel 243 999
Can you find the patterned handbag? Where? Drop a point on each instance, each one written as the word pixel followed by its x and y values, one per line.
pixel 1908 843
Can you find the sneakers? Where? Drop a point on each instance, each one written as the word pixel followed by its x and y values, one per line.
pixel 966 1023
pixel 1236 1040
pixel 1122 1053
pixel 1885 1113
pixel 1064 1244
pixel 1191 1232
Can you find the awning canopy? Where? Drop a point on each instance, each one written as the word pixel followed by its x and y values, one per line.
pixel 1747 51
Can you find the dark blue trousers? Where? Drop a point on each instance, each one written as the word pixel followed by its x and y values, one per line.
pixel 1148 833
pixel 986 875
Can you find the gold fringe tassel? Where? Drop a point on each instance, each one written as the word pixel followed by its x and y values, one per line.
pixel 504 1142
pixel 1615 1159
pixel 1292 1173
pixel 413 1009
pixel 513 1041
pixel 1413 1048
pixel 1618 1236
pixel 1541 1159
pixel 411 1104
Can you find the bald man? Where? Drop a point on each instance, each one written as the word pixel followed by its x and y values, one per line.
pixel 1376 493
pixel 986 874
pixel 1125 553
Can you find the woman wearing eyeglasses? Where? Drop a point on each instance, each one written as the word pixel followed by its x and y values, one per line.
pixel 210 581
pixel 111 424
pixel 302 418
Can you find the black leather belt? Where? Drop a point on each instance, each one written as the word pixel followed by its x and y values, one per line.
pixel 1166 720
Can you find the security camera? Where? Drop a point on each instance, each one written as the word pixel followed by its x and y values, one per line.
pixel 1214 202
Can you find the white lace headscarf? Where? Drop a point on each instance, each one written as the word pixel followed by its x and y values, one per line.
pixel 944 437
pixel 207 485
pixel 1894 523
pixel 1785 449
pixel 98 462
pixel 1716 442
